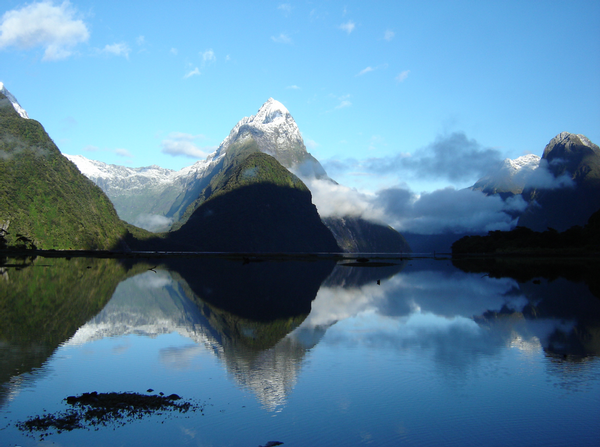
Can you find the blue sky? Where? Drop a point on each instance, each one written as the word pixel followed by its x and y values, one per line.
pixel 127 82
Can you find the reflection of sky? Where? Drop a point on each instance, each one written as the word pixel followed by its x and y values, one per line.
pixel 429 291
pixel 429 309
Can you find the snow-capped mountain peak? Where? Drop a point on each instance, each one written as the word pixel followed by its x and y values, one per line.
pixel 529 162
pixel 275 132
pixel 20 110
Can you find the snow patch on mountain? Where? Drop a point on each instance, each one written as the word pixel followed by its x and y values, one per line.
pixel 527 162
pixel 20 110
pixel 272 127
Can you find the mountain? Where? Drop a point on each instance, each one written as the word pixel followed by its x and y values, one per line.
pixel 569 191
pixel 45 202
pixel 142 196
pixel 153 197
pixel 255 205
pixel 357 235
pixel 510 178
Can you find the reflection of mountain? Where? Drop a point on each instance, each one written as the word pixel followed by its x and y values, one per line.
pixel 563 306
pixel 239 311
pixel 43 303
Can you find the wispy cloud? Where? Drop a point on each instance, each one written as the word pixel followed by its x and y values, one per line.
pixel 174 51
pixel 285 8
pixel 348 26
pixel 140 40
pixel 282 38
pixel 42 24
pixel 123 153
pixel 402 76
pixel 389 35
pixel 293 87
pixel 117 49
pixel 194 72
pixel 183 144
pixel 344 102
pixel 208 56
pixel 370 69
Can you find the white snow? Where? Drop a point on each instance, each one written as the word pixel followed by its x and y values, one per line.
pixel 273 128
pixel 20 110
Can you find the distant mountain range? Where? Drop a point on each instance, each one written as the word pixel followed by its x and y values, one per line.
pixel 159 199
pixel 561 188
pixel 241 198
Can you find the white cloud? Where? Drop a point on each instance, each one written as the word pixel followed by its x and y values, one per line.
pixel 194 72
pixel 208 56
pixel 293 87
pixel 174 51
pixel 365 71
pixel 285 8
pixel 311 144
pixel 141 40
pixel 448 211
pixel 348 26
pixel 152 222
pixel 118 49
pixel 332 199
pixel 282 38
pixel 123 153
pixel 370 69
pixel 178 143
pixel 43 25
pixel 389 35
pixel 344 102
pixel 402 76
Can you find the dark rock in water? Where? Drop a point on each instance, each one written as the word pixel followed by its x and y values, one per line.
pixel 100 409
pixel 271 444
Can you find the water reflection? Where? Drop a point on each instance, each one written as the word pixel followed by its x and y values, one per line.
pixel 262 319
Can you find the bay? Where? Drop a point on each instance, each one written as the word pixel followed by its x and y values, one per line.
pixel 321 352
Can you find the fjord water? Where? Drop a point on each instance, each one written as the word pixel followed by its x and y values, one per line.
pixel 306 353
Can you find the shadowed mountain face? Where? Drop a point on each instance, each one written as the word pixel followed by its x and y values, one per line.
pixel 357 235
pixel 255 206
pixel 571 193
pixel 43 196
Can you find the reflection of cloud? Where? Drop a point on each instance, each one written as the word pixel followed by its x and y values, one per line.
pixel 151 280
pixel 182 357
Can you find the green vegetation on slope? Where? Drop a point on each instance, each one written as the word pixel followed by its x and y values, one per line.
pixel 44 197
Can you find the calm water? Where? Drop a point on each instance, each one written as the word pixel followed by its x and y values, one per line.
pixel 306 353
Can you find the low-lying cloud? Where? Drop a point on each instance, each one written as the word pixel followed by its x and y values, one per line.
pixel 183 144
pixel 153 222
pixel 442 211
